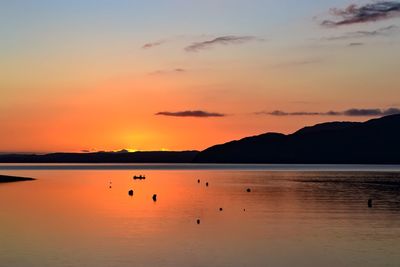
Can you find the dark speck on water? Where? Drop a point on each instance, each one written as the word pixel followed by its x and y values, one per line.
pixel 130 192
pixel 207 184
pixel 155 197
pixel 198 221
pixel 369 203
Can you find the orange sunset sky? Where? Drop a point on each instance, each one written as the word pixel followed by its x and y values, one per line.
pixel 179 75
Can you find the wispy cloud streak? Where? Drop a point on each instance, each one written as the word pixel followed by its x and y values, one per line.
pixel 361 14
pixel 191 113
pixel 153 44
pixel 356 44
pixel 353 112
pixel 222 40
pixel 298 63
pixel 172 71
pixel 385 31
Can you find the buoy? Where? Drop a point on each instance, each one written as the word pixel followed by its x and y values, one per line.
pixel 207 184
pixel 369 203
pixel 220 209
pixel 248 190
pixel 155 197
pixel 130 192
pixel 198 181
pixel 198 221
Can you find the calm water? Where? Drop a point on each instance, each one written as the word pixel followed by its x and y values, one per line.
pixel 294 216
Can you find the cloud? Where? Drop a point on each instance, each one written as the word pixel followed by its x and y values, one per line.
pixel 356 44
pixel 361 14
pixel 298 63
pixel 353 112
pixel 297 113
pixel 191 113
pixel 153 44
pixel 222 40
pixel 385 31
pixel 172 71
pixel 179 70
pixel 371 112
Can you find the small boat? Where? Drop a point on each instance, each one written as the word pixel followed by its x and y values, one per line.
pixel 140 177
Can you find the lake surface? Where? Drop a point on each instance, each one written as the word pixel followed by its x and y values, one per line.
pixel 295 215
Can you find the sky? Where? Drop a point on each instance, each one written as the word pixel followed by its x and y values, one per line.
pixel 182 74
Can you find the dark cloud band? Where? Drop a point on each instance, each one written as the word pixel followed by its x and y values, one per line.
pixel 191 113
pixel 361 14
pixel 349 112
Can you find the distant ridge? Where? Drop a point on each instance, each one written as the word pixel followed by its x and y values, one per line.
pixel 376 141
pixel 103 157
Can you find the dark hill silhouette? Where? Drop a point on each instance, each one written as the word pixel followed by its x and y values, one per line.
pixel 103 157
pixel 376 141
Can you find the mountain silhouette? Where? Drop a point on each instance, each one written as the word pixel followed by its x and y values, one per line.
pixel 375 141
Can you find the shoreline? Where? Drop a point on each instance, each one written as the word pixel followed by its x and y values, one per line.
pixel 10 179
pixel 202 166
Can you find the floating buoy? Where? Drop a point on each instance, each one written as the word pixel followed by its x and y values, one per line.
pixel 155 197
pixel 248 190
pixel 207 184
pixel 369 203
pixel 130 192
pixel 220 209
pixel 198 181
pixel 198 221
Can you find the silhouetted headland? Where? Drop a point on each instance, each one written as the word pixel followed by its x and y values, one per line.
pixel 373 142
pixel 9 179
